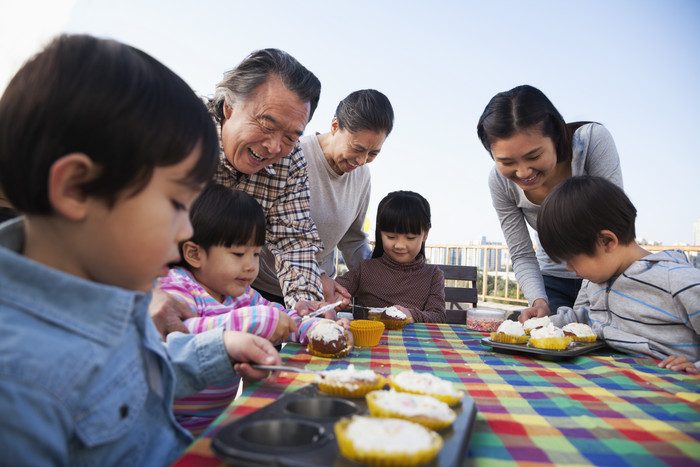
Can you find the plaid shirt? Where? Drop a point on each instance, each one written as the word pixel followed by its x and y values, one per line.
pixel 282 189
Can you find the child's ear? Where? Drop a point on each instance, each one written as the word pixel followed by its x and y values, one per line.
pixel 425 235
pixel 66 177
pixel 191 253
pixel 608 240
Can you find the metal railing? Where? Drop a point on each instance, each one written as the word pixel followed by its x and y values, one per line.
pixel 493 262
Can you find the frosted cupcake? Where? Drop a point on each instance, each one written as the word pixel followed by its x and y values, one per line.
pixel 349 382
pixel 579 332
pixel 392 317
pixel 327 339
pixel 426 384
pixel 426 410
pixel 549 337
pixel 386 441
pixel 510 332
pixel 534 323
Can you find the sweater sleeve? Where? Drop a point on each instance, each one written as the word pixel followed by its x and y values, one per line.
pixel 434 311
pixel 522 254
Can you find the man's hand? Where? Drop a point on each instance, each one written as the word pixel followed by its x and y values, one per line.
pixel 244 349
pixel 168 313
pixel 539 309
pixel 304 307
pixel 333 292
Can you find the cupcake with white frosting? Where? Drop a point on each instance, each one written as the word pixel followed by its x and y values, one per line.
pixel 427 384
pixel 579 332
pixel 386 441
pixel 549 337
pixel 426 410
pixel 534 323
pixel 510 332
pixel 349 382
pixel 327 339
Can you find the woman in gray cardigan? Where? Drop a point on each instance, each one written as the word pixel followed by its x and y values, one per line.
pixel 534 149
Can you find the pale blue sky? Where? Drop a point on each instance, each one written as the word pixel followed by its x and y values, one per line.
pixel 632 65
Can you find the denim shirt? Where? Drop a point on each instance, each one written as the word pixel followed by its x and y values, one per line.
pixel 85 379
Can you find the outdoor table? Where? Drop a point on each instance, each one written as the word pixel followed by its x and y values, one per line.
pixel 602 408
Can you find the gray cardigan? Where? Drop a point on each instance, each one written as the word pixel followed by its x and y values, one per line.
pixel 594 153
pixel 652 308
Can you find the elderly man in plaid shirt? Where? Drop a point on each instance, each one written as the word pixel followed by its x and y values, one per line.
pixel 262 107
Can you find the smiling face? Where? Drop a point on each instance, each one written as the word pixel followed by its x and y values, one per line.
pixel 402 248
pixel 347 150
pixel 528 159
pixel 227 271
pixel 265 128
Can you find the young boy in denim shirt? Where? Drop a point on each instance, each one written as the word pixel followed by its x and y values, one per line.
pixel 639 302
pixel 102 149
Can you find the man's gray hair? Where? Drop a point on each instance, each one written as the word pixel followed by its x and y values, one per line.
pixel 238 84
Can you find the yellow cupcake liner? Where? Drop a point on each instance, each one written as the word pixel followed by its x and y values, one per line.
pixel 390 324
pixel 366 333
pixel 342 354
pixel 448 399
pixel 584 338
pixel 508 338
pixel 553 343
pixel 426 420
pixel 383 458
pixel 344 390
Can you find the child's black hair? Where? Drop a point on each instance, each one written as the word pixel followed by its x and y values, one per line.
pixel 223 216
pixel 122 108
pixel 575 212
pixel 403 212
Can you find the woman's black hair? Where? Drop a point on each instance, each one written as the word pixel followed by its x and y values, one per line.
pixel 366 109
pixel 575 212
pixel 402 212
pixel 525 108
pixel 222 216
pixel 121 107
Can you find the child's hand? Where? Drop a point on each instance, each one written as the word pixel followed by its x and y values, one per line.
pixel 344 322
pixel 285 326
pixel 680 364
pixel 406 312
pixel 244 348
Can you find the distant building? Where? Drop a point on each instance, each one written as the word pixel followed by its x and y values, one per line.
pixel 494 260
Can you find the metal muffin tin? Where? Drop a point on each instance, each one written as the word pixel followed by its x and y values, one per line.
pixel 297 430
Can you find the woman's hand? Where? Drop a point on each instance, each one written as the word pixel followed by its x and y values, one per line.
pixel 680 364
pixel 168 313
pixel 244 348
pixel 539 309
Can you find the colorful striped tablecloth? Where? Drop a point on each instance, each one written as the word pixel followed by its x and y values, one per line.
pixel 603 408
